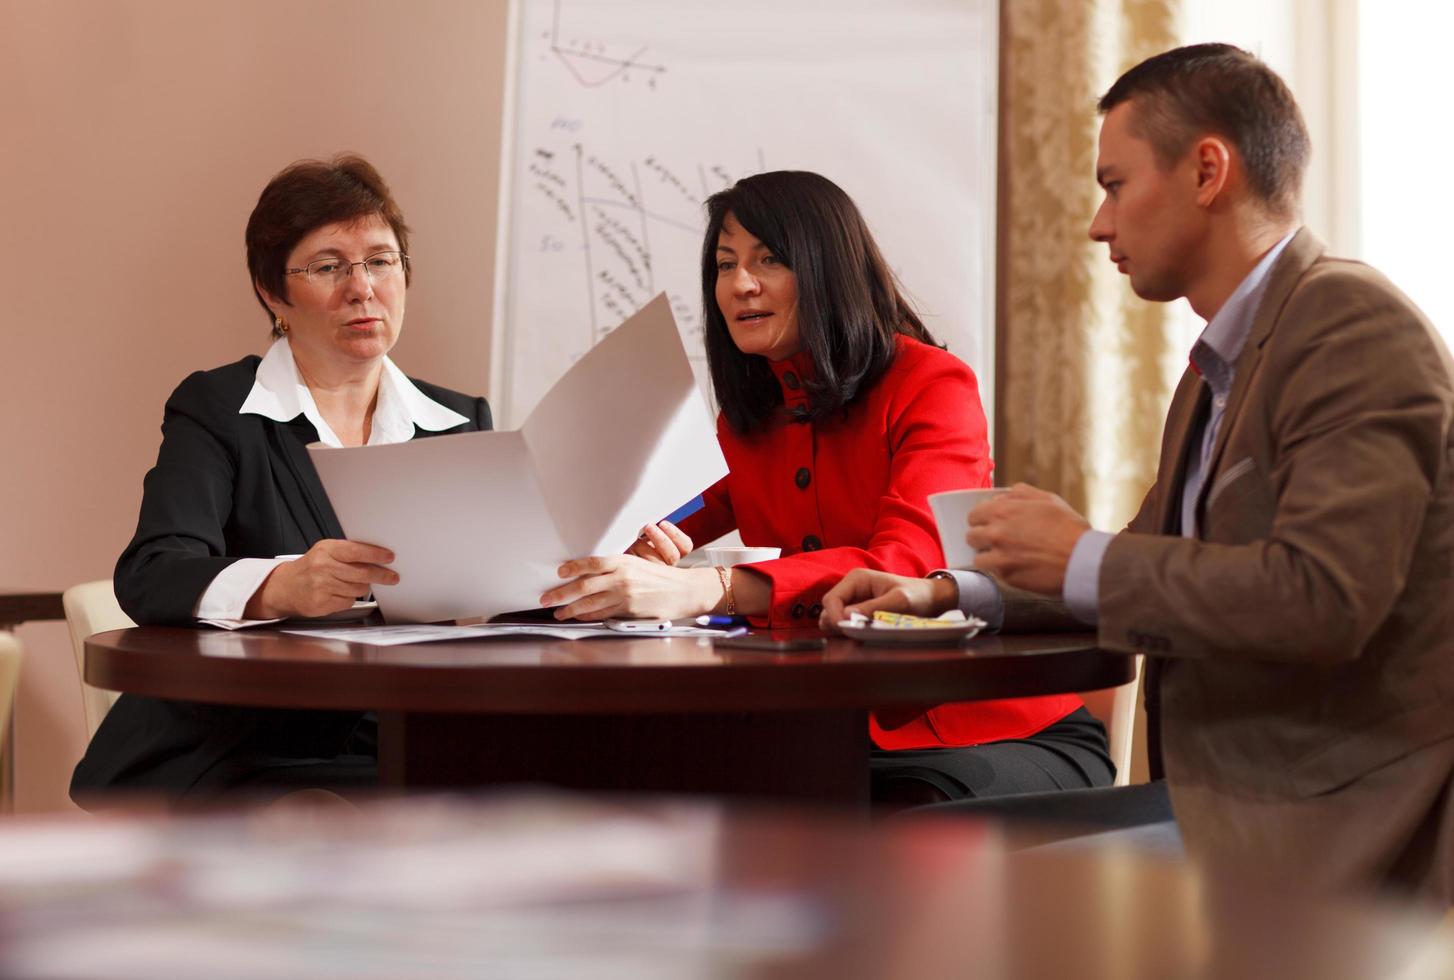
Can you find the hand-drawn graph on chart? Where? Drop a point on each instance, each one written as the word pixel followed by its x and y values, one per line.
pixel 629 114
pixel 592 62
pixel 635 227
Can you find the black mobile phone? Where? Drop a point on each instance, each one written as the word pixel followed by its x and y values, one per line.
pixel 764 641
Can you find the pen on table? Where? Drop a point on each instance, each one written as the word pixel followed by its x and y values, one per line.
pixel 721 621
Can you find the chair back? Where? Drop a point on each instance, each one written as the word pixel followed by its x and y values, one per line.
pixel 10 652
pixel 91 607
pixel 1116 708
pixel 9 679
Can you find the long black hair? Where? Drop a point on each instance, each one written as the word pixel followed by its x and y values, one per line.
pixel 850 308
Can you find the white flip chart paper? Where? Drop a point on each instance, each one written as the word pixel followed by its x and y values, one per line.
pixel 479 521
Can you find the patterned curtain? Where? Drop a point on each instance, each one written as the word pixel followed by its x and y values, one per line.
pixel 1085 367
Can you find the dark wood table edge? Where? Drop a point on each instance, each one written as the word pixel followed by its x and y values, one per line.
pixel 771 684
pixel 28 607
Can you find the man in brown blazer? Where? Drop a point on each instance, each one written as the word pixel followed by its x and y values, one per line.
pixel 1291 572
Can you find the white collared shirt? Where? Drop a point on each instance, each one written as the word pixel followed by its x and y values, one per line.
pixel 279 393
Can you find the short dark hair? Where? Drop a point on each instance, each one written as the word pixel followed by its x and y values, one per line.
pixel 850 307
pixel 304 197
pixel 1222 89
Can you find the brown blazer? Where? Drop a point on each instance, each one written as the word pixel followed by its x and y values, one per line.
pixel 1305 639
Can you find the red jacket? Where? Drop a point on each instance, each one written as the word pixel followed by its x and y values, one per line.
pixel 852 492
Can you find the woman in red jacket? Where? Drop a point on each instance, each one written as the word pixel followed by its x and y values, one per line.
pixel 840 415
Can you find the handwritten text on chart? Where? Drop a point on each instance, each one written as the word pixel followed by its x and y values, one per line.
pixel 604 213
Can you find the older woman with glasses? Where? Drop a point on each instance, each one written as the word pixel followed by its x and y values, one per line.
pixel 234 523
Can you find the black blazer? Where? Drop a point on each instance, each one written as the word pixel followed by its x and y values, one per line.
pixel 225 486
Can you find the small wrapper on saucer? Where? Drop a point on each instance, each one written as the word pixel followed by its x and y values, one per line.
pixel 903 621
pixel 900 629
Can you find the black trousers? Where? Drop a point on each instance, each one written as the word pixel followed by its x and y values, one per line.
pixel 1070 754
pixel 1045 818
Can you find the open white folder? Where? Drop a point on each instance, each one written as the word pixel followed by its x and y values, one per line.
pixel 480 521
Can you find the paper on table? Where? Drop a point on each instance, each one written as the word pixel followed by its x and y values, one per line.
pixel 479 521
pixel 389 636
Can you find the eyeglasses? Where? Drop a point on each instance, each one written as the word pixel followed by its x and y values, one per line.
pixel 334 271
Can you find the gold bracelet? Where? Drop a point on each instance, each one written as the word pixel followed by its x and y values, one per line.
pixel 726 578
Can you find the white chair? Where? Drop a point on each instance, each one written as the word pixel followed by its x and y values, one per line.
pixel 91 607
pixel 9 680
pixel 1117 708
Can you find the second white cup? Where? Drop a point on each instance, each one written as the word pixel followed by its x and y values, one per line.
pixel 951 515
pixel 727 557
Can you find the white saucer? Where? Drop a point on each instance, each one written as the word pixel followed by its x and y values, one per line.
pixel 911 636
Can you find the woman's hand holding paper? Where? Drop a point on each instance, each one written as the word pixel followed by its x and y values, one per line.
pixel 628 586
pixel 330 577
pixel 663 543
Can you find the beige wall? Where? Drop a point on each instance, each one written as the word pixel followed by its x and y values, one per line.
pixel 135 136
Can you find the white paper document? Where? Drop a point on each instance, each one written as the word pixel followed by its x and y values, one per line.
pixel 479 521
pixel 391 636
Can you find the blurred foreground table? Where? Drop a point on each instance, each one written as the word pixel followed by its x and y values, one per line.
pixel 554 886
pixel 665 714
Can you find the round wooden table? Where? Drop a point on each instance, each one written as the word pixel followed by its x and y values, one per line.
pixel 667 714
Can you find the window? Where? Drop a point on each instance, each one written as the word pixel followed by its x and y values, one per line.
pixel 1406 143
pixel 1372 79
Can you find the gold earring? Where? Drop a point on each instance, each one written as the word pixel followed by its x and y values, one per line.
pixel 279 324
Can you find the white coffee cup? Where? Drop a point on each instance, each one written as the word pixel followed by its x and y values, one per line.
pixel 951 515
pixel 727 557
